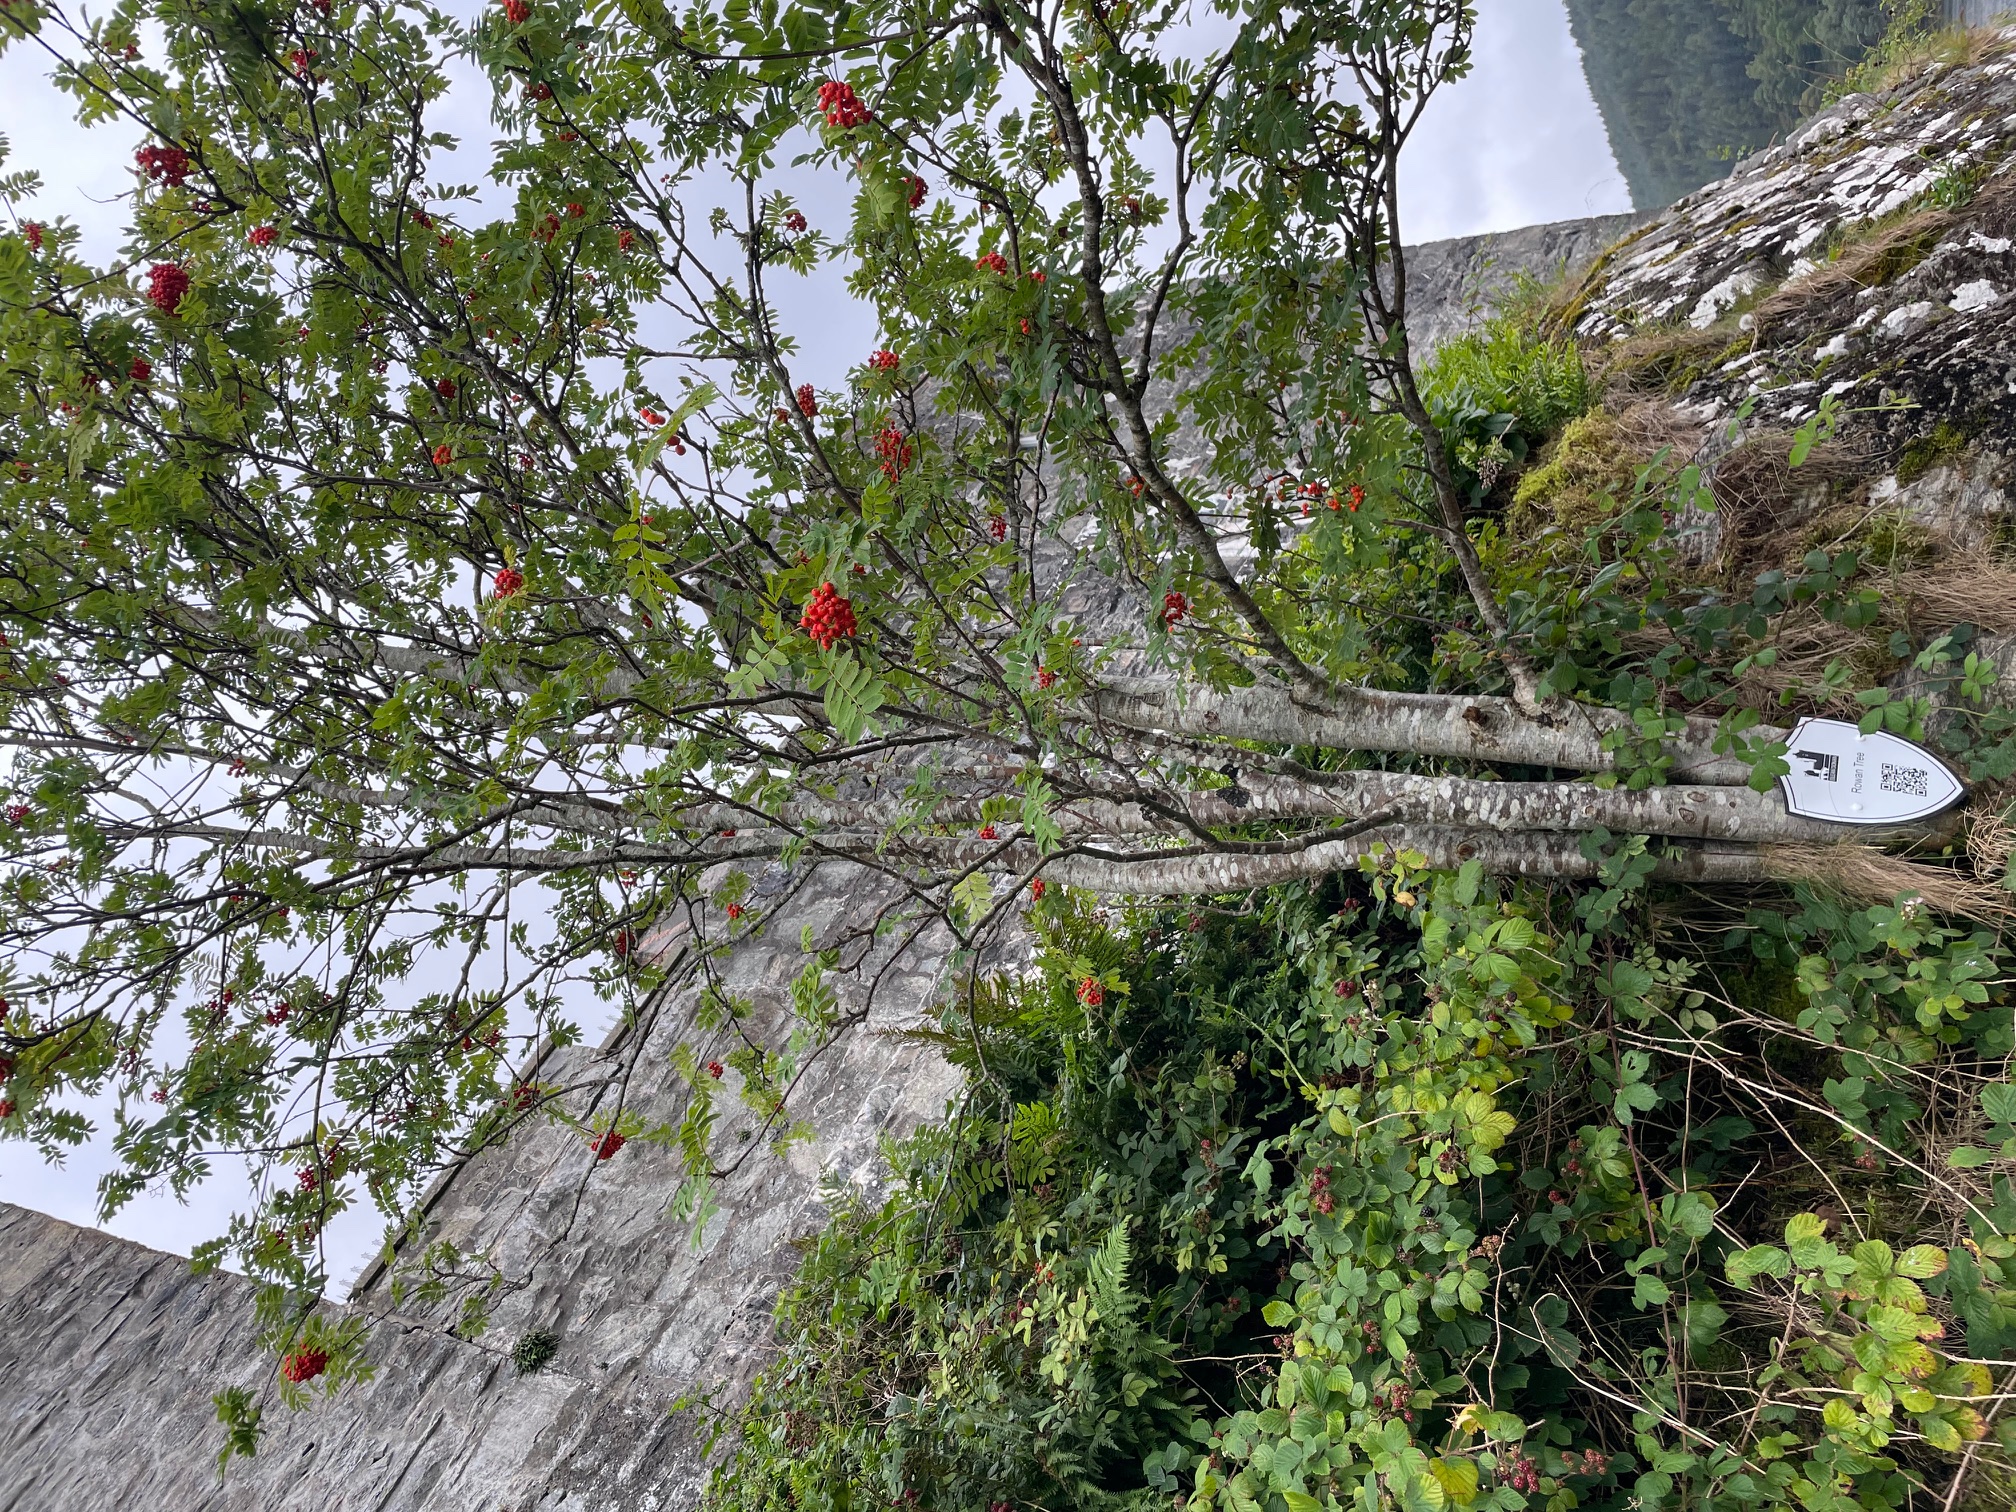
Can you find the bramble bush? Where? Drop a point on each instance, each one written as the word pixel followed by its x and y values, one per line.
pixel 1416 1190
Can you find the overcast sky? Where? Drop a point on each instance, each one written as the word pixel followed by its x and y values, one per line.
pixel 1516 144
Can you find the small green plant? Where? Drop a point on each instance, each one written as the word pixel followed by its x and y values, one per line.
pixel 535 1347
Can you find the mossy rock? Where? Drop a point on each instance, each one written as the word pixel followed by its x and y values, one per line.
pixel 1587 465
pixel 1938 446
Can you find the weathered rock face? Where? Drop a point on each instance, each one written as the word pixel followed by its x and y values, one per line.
pixel 109 1353
pixel 1870 260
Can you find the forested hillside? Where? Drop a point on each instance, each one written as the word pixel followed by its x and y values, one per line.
pixel 1687 87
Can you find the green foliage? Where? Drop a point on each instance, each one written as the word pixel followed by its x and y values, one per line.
pixel 417 599
pixel 1416 1193
pixel 535 1347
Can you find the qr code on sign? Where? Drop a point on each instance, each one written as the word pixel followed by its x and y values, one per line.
pixel 1896 779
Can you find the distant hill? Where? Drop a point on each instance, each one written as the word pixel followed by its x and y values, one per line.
pixel 1687 87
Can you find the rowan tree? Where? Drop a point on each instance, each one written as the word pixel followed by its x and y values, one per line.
pixel 387 563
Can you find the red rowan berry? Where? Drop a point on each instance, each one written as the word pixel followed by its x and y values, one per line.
pixel 509 580
pixel 304 1365
pixel 735 911
pixel 989 832
pixel 841 107
pixel 141 370
pixel 262 236
pixel 808 401
pixel 714 1069
pixel 828 617
pixel 606 1145
pixel 517 12
pixel 166 284
pixel 33 231
pixel 1036 889
pixel 918 191
pixel 883 360
pixel 1091 993
pixel 993 262
pixel 445 388
pixel 163 165
pixel 1174 607
pixel 794 222
pixel 443 455
pixel 892 449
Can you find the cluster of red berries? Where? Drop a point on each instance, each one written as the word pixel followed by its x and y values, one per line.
pixel 714 1069
pixel 509 581
pixel 892 450
pixel 517 12
pixel 523 1096
pixel 1091 993
pixel 262 236
pixel 445 388
pixel 33 231
pixel 625 239
pixel 606 1145
pixel 883 360
pixel 1395 1396
pixel 1319 1190
pixel 794 223
pixel 841 106
pixel 17 814
pixel 1037 888
pixel 919 191
pixel 1174 608
pixel 988 832
pixel 735 911
pixel 997 526
pixel 993 262
pixel 166 284
pixel 650 416
pixel 828 617
pixel 1517 1470
pixel 307 1178
pixel 1045 678
pixel 808 400
pixel 163 165
pixel 1588 1462
pixel 623 944
pixel 539 91
pixel 443 455
pixel 302 59
pixel 304 1365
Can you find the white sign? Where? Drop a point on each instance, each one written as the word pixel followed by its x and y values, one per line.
pixel 1841 774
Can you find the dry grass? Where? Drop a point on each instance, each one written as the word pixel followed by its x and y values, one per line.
pixel 1862 874
pixel 1974 589
pixel 1661 360
pixel 1876 255
pixel 1956 589
pixel 1767 505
